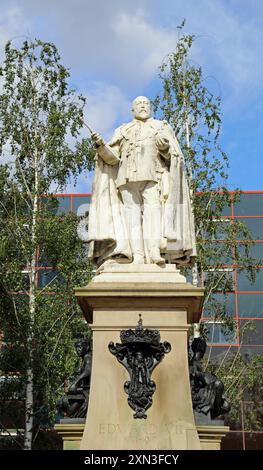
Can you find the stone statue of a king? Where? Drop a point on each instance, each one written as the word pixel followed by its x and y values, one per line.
pixel 140 210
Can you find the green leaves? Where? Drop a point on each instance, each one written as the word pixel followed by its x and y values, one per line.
pixel 41 116
pixel 223 243
pixel 40 124
pixel 195 115
pixel 243 379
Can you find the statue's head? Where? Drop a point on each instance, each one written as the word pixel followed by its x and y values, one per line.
pixel 141 108
pixel 82 346
pixel 199 347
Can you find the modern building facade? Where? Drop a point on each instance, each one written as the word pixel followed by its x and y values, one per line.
pixel 244 301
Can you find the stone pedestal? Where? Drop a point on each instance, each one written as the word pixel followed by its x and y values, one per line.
pixel 112 302
pixel 71 434
pixel 210 436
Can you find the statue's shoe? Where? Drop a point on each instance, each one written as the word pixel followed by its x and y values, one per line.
pixel 159 260
pixel 156 257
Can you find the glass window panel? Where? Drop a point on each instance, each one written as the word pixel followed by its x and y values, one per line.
pixel 243 283
pixel 226 210
pixel 217 354
pixel 81 204
pixel 57 204
pixel 226 303
pixel 216 334
pixel 250 305
pixel 51 204
pixel 221 229
pixel 248 351
pixel 256 251
pixel 255 226
pixel 223 279
pixel 207 202
pixel 63 204
pixel 218 253
pixel 251 332
pixel 249 204
pixel 47 277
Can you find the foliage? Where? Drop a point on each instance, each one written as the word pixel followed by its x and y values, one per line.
pixel 222 241
pixel 242 376
pixel 195 115
pixel 40 123
pixel 40 115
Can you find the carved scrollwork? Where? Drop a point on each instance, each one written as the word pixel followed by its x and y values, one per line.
pixel 140 352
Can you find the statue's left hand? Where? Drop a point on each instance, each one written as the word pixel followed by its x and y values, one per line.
pixel 162 143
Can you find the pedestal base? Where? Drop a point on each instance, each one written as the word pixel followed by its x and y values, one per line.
pixel 71 434
pixel 210 436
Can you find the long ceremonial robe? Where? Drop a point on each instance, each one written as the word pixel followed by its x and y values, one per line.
pixel 107 233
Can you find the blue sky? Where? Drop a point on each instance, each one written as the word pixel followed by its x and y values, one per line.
pixel 114 48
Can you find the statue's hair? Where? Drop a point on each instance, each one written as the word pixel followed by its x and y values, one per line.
pixel 83 341
pixel 144 97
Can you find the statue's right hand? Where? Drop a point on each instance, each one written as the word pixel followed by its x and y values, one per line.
pixel 97 139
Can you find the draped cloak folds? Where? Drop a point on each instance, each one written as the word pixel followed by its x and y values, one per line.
pixel 107 232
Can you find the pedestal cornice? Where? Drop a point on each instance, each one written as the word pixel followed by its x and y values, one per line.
pixel 143 295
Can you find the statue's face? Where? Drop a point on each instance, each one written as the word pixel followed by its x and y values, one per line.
pixel 81 348
pixel 141 108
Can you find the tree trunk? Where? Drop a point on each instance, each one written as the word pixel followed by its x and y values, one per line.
pixel 29 412
pixel 29 401
pixel 190 177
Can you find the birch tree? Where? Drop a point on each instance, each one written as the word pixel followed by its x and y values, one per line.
pixel 195 115
pixel 194 112
pixel 40 122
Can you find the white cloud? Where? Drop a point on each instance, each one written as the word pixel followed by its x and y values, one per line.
pixel 229 43
pixel 124 42
pixel 13 26
pixel 114 49
pixel 143 45
pixel 6 155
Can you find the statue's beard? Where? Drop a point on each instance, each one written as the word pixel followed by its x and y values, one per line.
pixel 143 115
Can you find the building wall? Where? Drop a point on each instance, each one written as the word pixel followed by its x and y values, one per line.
pixel 244 301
